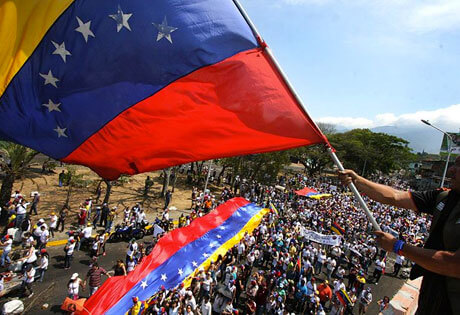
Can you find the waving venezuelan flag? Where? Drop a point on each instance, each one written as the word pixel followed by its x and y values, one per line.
pixel 131 86
pixel 178 255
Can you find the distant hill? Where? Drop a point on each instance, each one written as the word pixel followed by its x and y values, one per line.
pixel 420 138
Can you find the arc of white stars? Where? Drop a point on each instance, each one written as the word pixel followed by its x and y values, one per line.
pixel 60 131
pixel 122 19
pixel 144 284
pixel 61 51
pixel 52 106
pixel 164 30
pixel 49 78
pixel 163 277
pixel 84 29
pixel 180 271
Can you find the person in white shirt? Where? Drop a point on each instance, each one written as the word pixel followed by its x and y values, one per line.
pixel 44 237
pixel 53 223
pixel 42 264
pixel 87 231
pixel 132 249
pixel 73 286
pixel 365 299
pixel 206 308
pixel 378 271
pixel 6 243
pixel 140 218
pixel 27 281
pixel 69 248
pixel 338 285
pixel 398 264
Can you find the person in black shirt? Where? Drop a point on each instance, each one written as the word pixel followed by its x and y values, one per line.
pixel 439 260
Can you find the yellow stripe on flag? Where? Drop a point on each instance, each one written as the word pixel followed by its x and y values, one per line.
pixel 249 227
pixel 23 23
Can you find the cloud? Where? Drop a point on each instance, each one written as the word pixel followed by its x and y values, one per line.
pixel 405 15
pixel 445 118
pixel 435 16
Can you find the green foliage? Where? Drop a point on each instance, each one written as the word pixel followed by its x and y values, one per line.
pixel 263 167
pixel 15 158
pixel 314 158
pixel 73 179
pixel 368 152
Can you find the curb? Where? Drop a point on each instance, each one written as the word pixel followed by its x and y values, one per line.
pixel 406 299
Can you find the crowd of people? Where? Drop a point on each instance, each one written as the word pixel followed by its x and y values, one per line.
pixel 274 270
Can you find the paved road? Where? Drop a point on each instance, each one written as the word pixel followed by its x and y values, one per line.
pixel 53 290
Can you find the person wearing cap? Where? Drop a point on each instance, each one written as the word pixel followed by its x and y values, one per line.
pixel 62 218
pixel 73 286
pixel 44 236
pixel 35 202
pixel 324 293
pixel 69 249
pixel 6 243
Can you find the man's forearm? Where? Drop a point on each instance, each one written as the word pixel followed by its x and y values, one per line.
pixel 438 261
pixel 384 194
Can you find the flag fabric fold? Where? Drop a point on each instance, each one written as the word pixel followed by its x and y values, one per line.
pixel 307 192
pixel 178 256
pixel 337 229
pixel 142 85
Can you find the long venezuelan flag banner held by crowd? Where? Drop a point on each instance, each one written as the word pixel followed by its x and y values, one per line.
pixel 132 86
pixel 178 255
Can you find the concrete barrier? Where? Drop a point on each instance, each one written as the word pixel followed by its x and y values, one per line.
pixel 406 299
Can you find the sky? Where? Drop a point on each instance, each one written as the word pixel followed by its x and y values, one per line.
pixel 368 63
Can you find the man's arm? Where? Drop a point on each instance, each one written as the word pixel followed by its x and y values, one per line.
pixel 442 262
pixel 378 192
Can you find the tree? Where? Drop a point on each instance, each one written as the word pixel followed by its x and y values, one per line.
pixel 263 167
pixel 368 152
pixel 15 160
pixel 73 180
pixel 314 158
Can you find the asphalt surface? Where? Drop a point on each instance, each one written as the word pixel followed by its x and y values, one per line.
pixel 53 290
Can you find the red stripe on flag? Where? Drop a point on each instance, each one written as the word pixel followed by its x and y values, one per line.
pixel 116 287
pixel 235 107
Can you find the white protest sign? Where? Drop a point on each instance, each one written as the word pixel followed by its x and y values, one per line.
pixel 333 240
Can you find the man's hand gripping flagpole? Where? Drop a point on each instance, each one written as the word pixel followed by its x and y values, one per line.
pixel 299 100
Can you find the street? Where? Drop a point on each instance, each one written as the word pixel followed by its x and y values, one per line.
pixel 53 290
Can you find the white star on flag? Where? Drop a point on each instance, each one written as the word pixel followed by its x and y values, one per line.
pixel 49 79
pixel 121 19
pixel 52 106
pixel 60 131
pixel 205 255
pixel 222 228
pixel 180 272
pixel 61 51
pixel 164 30
pixel 218 236
pixel 84 29
pixel 144 284
pixel 163 277
pixel 194 264
pixel 213 244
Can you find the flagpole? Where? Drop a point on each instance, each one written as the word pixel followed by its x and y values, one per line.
pixel 299 100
